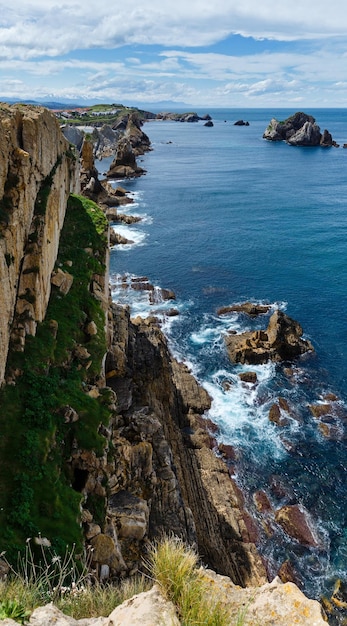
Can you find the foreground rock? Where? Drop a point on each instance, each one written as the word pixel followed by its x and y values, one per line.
pixel 271 604
pixel 298 130
pixel 281 341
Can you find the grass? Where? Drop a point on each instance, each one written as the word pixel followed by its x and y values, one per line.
pixel 175 568
pixel 64 581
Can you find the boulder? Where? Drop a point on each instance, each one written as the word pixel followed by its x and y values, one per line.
pixel 145 609
pixel 281 341
pixel 248 377
pixel 62 280
pixel 276 417
pixel 294 519
pixel 241 123
pixel 130 515
pixel 261 501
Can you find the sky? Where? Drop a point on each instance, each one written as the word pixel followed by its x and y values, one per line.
pixel 203 53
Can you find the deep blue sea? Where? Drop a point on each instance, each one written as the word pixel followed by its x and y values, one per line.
pixel 229 217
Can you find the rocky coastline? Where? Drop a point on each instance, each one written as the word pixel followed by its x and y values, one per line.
pixel 161 471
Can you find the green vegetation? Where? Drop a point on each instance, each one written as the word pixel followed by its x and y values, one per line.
pixel 13 609
pixel 36 495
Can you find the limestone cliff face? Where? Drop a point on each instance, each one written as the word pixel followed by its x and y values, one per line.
pixel 37 173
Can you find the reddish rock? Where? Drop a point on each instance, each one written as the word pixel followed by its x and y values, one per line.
pixel 261 501
pixel 276 417
pixel 284 404
pixel 227 451
pixel 294 520
pixel 252 530
pixel 330 397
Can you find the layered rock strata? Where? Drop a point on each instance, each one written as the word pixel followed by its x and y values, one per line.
pixel 38 170
pixel 162 475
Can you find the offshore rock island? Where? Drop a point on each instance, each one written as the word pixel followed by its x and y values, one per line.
pixel 299 130
pixel 104 441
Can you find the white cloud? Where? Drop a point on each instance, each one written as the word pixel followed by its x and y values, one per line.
pixel 135 51
pixel 31 28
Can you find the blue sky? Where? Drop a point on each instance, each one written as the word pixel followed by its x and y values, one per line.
pixel 225 53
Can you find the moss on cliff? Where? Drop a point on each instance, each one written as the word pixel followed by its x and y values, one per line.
pixel 49 379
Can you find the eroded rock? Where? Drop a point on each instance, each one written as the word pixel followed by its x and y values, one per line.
pixel 281 341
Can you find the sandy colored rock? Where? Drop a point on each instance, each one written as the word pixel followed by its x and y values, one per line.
pixel 284 605
pixel 145 609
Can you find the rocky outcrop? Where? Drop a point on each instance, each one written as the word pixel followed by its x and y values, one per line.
pixel 250 308
pixel 281 341
pixel 100 191
pixel 241 123
pixel 38 170
pixel 298 130
pixel 124 164
pixel 139 141
pixel 105 141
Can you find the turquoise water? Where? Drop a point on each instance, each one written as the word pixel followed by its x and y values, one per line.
pixel 229 217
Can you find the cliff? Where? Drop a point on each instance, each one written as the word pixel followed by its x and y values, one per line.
pixel 37 173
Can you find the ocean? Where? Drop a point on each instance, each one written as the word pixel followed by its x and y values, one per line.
pixel 228 217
